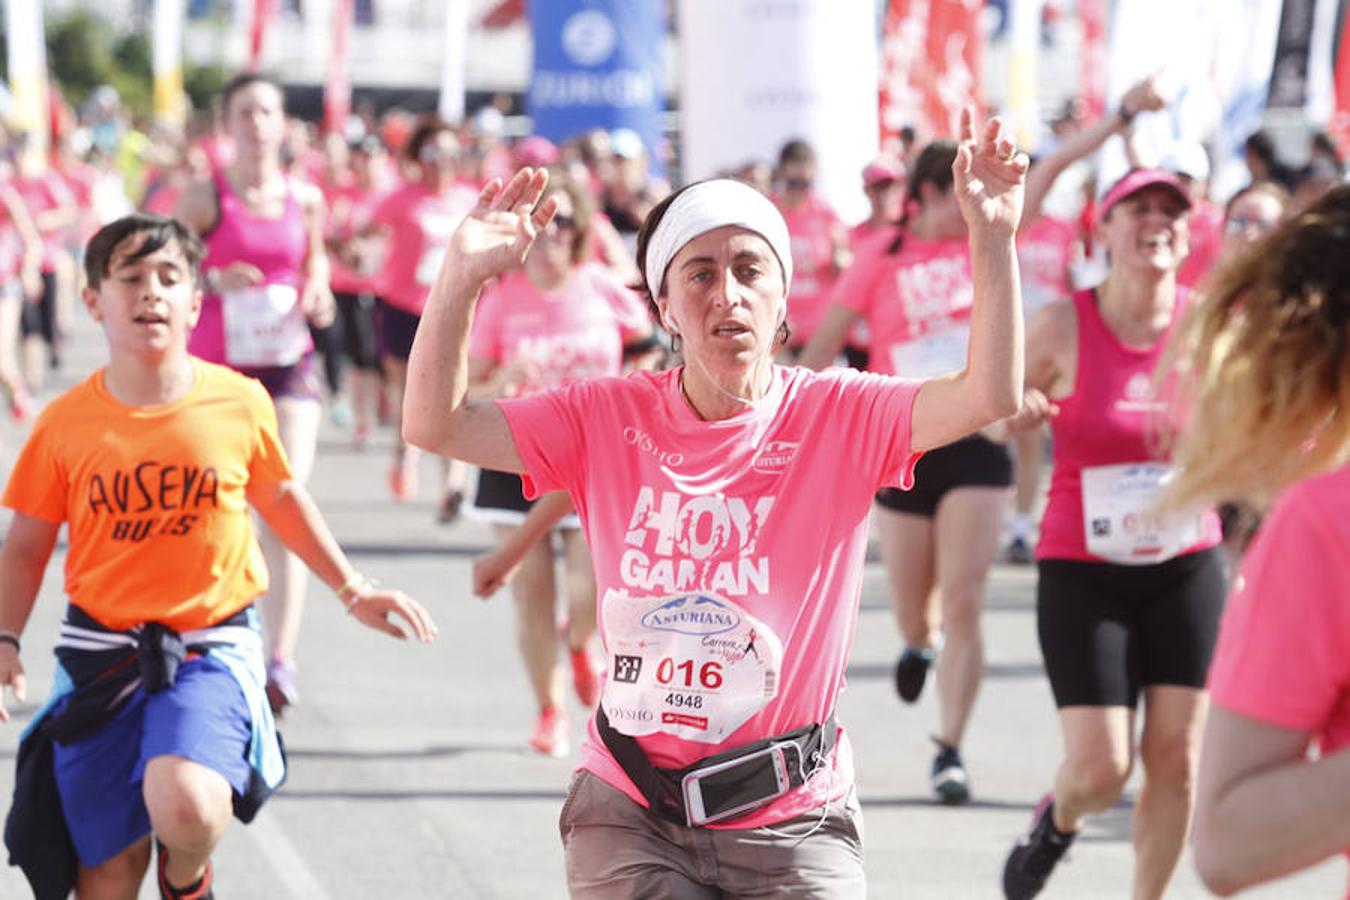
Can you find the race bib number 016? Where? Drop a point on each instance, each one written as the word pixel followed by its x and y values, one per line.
pixel 695 666
pixel 1119 517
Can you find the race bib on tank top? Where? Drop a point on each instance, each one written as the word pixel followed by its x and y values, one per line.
pixel 264 326
pixel 1120 520
pixel 695 666
pixel 937 353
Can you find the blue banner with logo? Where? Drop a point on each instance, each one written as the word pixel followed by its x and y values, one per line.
pixel 597 64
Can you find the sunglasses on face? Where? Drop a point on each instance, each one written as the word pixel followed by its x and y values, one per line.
pixel 562 223
pixel 1243 224
pixel 797 184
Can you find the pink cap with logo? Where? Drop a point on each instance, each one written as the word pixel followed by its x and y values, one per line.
pixel 1134 182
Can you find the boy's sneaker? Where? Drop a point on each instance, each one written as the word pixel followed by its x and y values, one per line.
pixel 584 680
pixel 911 670
pixel 951 784
pixel 448 512
pixel 403 481
pixel 1035 854
pixel 550 733
pixel 282 690
pixel 199 891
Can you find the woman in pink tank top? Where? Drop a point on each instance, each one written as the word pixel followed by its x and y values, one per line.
pixel 1128 599
pixel 265 277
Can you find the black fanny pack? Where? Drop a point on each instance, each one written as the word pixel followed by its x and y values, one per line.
pixel 727 784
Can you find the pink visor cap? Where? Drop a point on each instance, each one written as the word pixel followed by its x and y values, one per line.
pixel 882 169
pixel 1136 181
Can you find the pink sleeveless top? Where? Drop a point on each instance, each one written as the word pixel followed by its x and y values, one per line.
pixel 276 246
pixel 1112 418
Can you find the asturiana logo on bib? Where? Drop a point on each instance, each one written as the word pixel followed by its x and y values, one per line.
pixel 692 614
pixel 776 456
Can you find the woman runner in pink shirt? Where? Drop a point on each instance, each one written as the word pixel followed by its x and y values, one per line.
pixel 728 592
pixel 265 274
pixel 1269 358
pixel 555 321
pixel 915 290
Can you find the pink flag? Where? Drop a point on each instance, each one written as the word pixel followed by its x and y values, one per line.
pixel 264 11
pixel 337 88
pixel 1093 16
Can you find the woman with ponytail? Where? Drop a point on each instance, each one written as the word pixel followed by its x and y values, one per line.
pixel 939 540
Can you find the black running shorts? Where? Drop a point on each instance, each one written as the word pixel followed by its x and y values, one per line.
pixel 974 461
pixel 1108 630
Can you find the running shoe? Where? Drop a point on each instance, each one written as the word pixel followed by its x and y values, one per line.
pixel 361 438
pixel 1019 552
pixel 448 512
pixel 550 733
pixel 1035 854
pixel 584 679
pixel 340 413
pixel 201 890
pixel 911 670
pixel 22 406
pixel 403 481
pixel 282 690
pixel 950 782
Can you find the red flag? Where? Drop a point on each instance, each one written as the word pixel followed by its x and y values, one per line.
pixel 931 66
pixel 337 88
pixel 1092 74
pixel 263 13
pixel 1340 117
pixel 955 62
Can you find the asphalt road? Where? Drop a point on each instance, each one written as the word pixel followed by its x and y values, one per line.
pixel 409 776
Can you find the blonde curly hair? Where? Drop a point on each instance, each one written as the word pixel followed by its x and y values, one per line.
pixel 1262 364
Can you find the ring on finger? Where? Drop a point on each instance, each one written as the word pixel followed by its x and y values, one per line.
pixel 1007 153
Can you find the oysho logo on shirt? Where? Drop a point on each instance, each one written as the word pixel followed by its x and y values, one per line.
pixel 1139 396
pixel 643 441
pixel 692 614
pixel 776 456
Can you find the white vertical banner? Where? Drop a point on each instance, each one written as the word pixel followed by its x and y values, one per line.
pixel 1248 33
pixel 450 107
pixel 755 74
pixel 166 60
pixel 1321 95
pixel 1024 52
pixel 27 52
pixel 1182 56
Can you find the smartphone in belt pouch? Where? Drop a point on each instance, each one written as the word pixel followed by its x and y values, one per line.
pixel 727 789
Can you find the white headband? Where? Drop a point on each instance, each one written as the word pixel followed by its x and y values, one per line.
pixel 714 204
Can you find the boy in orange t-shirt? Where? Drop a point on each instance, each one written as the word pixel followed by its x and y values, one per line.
pixel 158 720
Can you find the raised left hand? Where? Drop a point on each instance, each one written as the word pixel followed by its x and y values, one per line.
pixel 990 176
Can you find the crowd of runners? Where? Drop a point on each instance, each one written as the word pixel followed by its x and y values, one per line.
pixel 638 388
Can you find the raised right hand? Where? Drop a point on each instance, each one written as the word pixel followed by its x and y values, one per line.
pixel 11 675
pixel 498 232
pixel 237 276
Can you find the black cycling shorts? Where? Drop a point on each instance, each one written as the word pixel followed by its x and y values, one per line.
pixel 974 461
pixel 1108 630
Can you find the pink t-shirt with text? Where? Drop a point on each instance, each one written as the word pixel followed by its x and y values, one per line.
pixel 673 505
pixel 567 335
pixel 420 223
pixel 917 304
pixel 1044 251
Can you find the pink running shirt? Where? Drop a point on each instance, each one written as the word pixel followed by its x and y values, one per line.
pixel 916 302
pixel 1283 655
pixel 809 228
pixel 350 209
pixel 571 334
pixel 420 223
pixel 1110 419
pixel 276 246
pixel 672 504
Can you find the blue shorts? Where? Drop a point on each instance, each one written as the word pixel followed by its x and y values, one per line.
pixel 202 717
